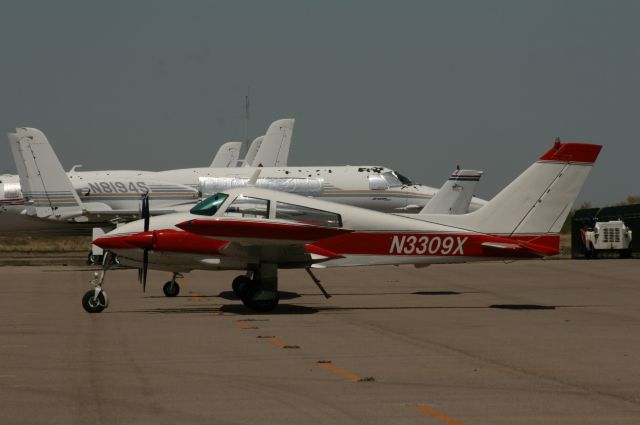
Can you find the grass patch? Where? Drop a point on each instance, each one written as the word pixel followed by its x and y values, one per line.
pixel 29 244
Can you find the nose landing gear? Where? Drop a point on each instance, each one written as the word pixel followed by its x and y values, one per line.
pixel 95 300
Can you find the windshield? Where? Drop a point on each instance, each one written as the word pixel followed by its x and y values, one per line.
pixel 210 205
pixel 395 179
pixel 404 179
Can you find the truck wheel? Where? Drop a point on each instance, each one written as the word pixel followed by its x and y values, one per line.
pixel 626 253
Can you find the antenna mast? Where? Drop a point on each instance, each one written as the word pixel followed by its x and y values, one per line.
pixel 247 104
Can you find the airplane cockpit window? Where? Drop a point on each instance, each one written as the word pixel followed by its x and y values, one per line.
pixel 210 205
pixel 377 182
pixel 245 206
pixel 404 179
pixel 392 179
pixel 307 215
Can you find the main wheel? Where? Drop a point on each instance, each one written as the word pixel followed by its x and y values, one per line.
pixel 239 284
pixel 249 291
pixel 92 305
pixel 262 306
pixel 171 289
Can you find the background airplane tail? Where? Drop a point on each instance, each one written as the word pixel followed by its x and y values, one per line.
pixel 539 200
pixel 252 151
pixel 46 187
pixel 455 195
pixel 273 151
pixel 227 155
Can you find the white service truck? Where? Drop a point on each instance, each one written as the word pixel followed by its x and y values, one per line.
pixel 607 236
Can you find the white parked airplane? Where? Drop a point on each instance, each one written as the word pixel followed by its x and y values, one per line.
pixel 82 200
pixel 260 231
pixel 115 193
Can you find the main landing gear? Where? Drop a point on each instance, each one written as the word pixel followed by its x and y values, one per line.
pixel 259 292
pixel 95 300
pixel 171 288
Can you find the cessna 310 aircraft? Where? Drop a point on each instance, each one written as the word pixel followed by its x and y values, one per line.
pixel 66 202
pixel 260 231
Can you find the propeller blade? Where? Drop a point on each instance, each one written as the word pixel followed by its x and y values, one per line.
pixel 145 268
pixel 145 211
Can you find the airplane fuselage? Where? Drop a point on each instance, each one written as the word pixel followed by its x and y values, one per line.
pixel 370 187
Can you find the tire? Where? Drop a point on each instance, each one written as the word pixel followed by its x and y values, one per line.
pixel 626 253
pixel 239 284
pixel 262 306
pixel 171 289
pixel 93 260
pixel 94 306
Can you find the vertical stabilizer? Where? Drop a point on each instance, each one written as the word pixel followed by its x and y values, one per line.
pixel 47 189
pixel 227 156
pixel 252 151
pixel 454 197
pixel 274 149
pixel 538 201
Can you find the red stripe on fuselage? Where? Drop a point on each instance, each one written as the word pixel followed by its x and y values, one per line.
pixel 437 244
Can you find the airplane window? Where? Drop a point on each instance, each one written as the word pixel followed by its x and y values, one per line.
pixel 377 182
pixel 404 179
pixel 392 179
pixel 307 215
pixel 210 205
pixel 245 206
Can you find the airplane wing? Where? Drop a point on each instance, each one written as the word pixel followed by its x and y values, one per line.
pixel 264 232
pixel 285 243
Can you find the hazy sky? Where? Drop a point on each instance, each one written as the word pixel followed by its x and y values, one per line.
pixel 417 86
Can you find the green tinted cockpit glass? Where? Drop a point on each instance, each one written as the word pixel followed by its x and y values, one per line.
pixel 210 205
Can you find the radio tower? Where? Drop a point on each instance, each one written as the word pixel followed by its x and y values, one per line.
pixel 245 145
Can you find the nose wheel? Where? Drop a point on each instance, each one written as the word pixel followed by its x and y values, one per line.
pixel 95 300
pixel 93 303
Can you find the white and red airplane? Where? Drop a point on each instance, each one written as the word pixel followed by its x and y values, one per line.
pixel 260 231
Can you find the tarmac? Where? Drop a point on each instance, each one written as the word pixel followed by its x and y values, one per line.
pixel 538 342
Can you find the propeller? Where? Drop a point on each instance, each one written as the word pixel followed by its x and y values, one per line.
pixel 145 215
